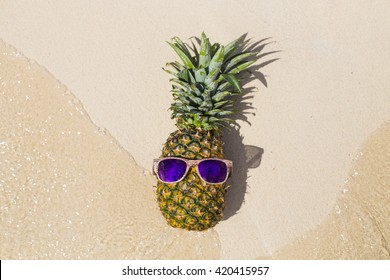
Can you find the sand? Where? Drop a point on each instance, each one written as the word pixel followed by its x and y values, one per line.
pixel 358 226
pixel 68 190
pixel 323 99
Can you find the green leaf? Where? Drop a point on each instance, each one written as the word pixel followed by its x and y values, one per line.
pixel 191 108
pixel 232 46
pixel 196 53
pixel 211 86
pixel 206 96
pixel 225 113
pixel 220 96
pixel 237 59
pixel 213 119
pixel 213 112
pixel 193 98
pixel 211 77
pixel 241 67
pixel 177 81
pixel 200 75
pixel 205 106
pixel 183 47
pixel 184 85
pixel 222 103
pixel 187 60
pixel 194 48
pixel 214 48
pixel 204 55
pixel 233 81
pixel 183 75
pixel 217 60
pixel 215 65
pixel 191 76
pixel 223 86
pixel 178 67
pixel 184 100
pixel 170 72
pixel 193 90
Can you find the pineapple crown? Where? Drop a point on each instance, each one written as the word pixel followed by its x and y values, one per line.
pixel 205 81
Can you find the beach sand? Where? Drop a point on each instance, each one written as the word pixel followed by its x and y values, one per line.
pixel 316 107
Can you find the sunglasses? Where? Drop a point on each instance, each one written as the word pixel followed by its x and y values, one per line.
pixel 210 170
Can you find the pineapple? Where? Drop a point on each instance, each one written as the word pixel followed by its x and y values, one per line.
pixel 202 86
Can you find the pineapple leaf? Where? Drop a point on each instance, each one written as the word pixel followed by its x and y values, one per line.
pixel 213 112
pixel 204 54
pixel 183 75
pixel 191 108
pixel 232 46
pixel 211 77
pixel 200 75
pixel 195 50
pixel 226 121
pixel 222 103
pixel 175 67
pixel 232 80
pixel 236 59
pixel 214 48
pixel 170 72
pixel 206 95
pixel 205 107
pixel 215 65
pixel 217 59
pixel 220 96
pixel 193 98
pixel 187 60
pixel 183 47
pixel 192 76
pixel 225 113
pixel 178 67
pixel 213 119
pixel 179 82
pixel 183 100
pixel 204 80
pixel 195 90
pixel 211 86
pixel 223 86
pixel 241 67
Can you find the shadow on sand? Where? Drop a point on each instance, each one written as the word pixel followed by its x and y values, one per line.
pixel 243 156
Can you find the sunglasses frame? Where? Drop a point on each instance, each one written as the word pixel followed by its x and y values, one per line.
pixel 190 163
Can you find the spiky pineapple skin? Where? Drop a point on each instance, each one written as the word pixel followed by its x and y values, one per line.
pixel 191 203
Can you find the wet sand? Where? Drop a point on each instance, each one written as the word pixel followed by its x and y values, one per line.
pixel 359 225
pixel 68 190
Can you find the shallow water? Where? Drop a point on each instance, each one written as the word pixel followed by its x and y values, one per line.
pixel 67 189
pixel 359 225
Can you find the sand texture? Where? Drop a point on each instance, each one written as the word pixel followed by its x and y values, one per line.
pixel 318 93
pixel 358 226
pixel 68 190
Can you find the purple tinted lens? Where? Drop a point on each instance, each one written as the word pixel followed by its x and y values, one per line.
pixel 213 171
pixel 171 170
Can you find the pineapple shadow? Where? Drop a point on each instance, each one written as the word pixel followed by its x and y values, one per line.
pixel 243 156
